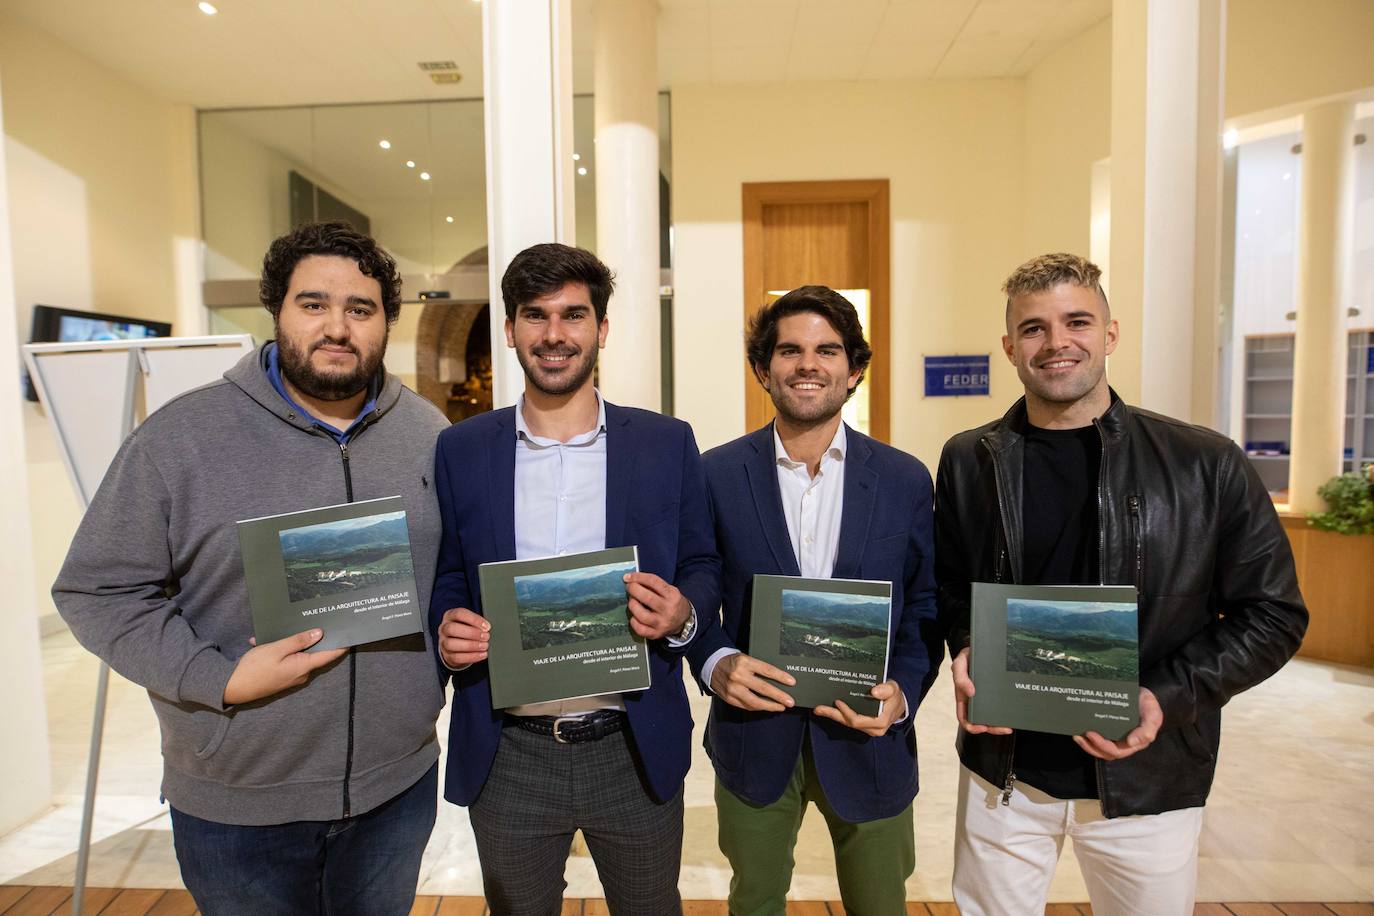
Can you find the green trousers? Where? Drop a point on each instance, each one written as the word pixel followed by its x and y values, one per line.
pixel 872 860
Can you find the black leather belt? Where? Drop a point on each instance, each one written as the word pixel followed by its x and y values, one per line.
pixel 573 729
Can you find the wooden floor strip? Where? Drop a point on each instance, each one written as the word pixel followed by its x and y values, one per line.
pixel 39 901
pixel 95 901
pixel 174 903
pixel 21 900
pixel 133 902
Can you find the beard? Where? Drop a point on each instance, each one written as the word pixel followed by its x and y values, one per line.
pixel 566 382
pixel 804 413
pixel 335 385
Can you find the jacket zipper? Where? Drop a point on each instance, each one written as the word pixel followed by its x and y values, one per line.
pixel 1137 533
pixel 1138 542
pixel 1101 506
pixel 1010 775
pixel 352 662
pixel 1099 765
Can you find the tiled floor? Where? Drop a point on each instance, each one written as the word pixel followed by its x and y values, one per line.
pixel 1289 819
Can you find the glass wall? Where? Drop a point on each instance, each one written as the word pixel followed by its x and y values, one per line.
pixel 411 174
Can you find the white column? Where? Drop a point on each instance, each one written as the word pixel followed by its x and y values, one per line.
pixel 1165 209
pixel 527 74
pixel 188 249
pixel 1324 243
pixel 627 218
pixel 24 766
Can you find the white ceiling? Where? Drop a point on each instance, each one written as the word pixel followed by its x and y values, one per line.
pixel 294 52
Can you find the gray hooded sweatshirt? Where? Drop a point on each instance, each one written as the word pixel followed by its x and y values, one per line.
pixel 153 584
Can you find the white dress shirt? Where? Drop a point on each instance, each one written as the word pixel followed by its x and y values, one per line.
pixel 812 508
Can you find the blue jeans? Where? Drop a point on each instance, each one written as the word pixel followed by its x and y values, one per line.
pixel 367 865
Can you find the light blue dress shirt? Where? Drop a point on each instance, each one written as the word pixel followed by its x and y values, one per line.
pixel 560 507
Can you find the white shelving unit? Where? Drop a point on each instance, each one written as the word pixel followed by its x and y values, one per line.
pixel 1268 405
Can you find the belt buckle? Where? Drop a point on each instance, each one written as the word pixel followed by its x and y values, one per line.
pixel 557 735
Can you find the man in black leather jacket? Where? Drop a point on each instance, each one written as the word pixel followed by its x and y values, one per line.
pixel 1073 486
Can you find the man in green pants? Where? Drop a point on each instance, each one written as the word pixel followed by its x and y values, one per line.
pixel 807 495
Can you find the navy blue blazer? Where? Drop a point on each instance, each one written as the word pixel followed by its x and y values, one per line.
pixel 655 499
pixel 886 531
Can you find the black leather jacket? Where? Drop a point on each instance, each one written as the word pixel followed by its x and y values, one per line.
pixel 1183 517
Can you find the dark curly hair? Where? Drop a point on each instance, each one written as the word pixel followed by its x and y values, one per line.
pixel 543 269
pixel 338 239
pixel 762 334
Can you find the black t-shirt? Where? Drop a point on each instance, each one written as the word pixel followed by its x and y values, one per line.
pixel 1060 533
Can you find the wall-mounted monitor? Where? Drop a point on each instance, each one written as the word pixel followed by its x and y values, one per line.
pixel 58 325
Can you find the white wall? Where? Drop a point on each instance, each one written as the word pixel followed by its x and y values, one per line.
pixel 101 199
pixel 954 154
pixel 1281 53
pixel 23 720
pixel 1068 128
pixel 1268 177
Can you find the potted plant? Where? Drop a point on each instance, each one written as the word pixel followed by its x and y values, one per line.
pixel 1334 552
pixel 1349 501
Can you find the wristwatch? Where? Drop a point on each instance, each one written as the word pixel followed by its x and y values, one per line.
pixel 689 629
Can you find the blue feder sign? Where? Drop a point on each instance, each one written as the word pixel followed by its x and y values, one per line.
pixel 955 376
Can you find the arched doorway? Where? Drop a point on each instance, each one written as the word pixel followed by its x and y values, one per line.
pixel 453 358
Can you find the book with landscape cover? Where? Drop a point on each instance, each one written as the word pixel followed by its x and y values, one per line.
pixel 1056 658
pixel 830 634
pixel 560 628
pixel 345 569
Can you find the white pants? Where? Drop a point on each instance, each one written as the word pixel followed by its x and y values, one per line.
pixel 1004 856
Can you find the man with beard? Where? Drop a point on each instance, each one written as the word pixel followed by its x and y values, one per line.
pixel 299 782
pixel 807 495
pixel 564 471
pixel 1074 487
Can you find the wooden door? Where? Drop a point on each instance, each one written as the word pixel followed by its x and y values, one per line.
pixel 834 233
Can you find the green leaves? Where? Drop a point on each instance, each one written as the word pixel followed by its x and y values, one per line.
pixel 1350 503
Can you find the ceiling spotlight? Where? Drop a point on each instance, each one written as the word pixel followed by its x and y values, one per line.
pixel 385 144
pixel 582 170
pixel 208 9
pixel 410 163
pixel 424 176
pixel 448 219
pixel 576 156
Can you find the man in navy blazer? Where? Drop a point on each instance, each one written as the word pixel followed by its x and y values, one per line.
pixel 809 496
pixel 563 472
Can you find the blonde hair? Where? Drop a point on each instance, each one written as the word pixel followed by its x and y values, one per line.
pixel 1050 270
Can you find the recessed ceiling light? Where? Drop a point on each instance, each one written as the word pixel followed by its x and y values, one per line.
pixel 576 156
pixel 208 9
pixel 385 144
pixel 582 170
pixel 424 176
pixel 410 163
pixel 448 219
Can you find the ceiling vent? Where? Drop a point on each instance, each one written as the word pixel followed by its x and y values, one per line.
pixel 432 65
pixel 451 76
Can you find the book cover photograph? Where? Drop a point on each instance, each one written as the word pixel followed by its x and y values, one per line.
pixel 830 634
pixel 560 628
pixel 345 569
pixel 1056 658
